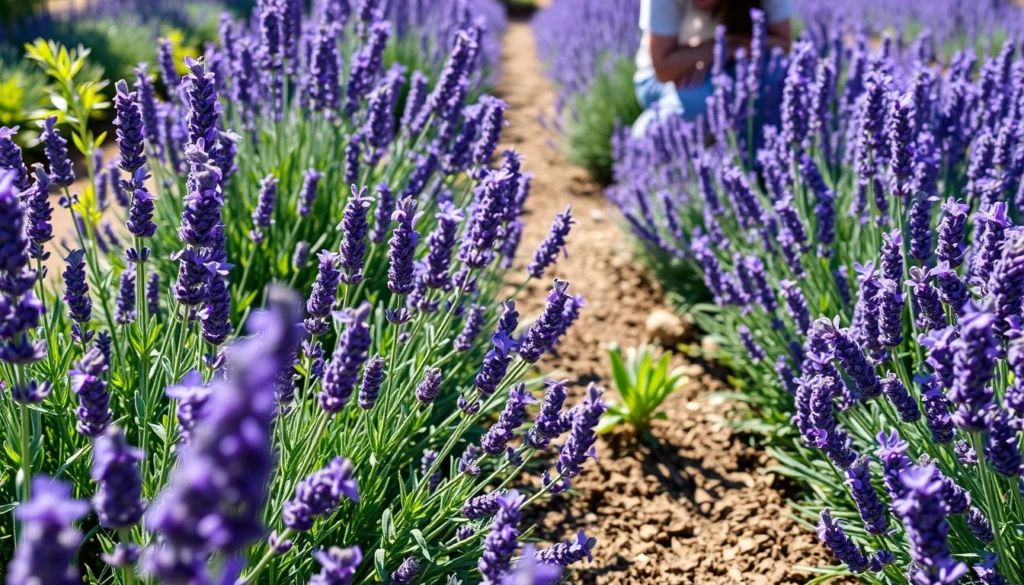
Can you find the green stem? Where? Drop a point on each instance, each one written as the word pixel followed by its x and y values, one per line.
pixel 26 454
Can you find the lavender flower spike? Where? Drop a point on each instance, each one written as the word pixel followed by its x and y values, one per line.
pixel 842 547
pixel 568 552
pixel 503 539
pixel 319 494
pixel 353 242
pixel 402 247
pixel 115 469
pixel 554 244
pixel 130 129
pixel 263 215
pixel 62 174
pixel 545 329
pixel 406 572
pixel 49 540
pixel 337 565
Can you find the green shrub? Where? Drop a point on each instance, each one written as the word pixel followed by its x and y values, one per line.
pixel 594 115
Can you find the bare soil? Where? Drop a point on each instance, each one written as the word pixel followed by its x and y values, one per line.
pixel 700 506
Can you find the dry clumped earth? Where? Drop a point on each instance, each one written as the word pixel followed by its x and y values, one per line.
pixel 698 508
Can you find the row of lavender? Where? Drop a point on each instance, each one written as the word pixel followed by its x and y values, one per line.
pixel 866 269
pixel 357 427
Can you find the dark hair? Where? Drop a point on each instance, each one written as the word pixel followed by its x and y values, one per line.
pixel 735 15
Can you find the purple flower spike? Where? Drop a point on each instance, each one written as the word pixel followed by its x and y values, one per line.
pixel 353 241
pixel 927 529
pixel 319 494
pixel 430 386
pixel 900 398
pixel 831 532
pixel 93 399
pixel 56 147
pixel 974 359
pixel 263 215
pixel 324 294
pixel 115 469
pixel 580 444
pixel 349 355
pixel 307 195
pixel 406 572
pixel 402 247
pixel 872 511
pixel 11 158
pixel 49 540
pixel 373 377
pixel 568 552
pixel 503 539
pixel 511 418
pixel 130 129
pixel 546 328
pixel 337 565
pixel 553 245
pixel 440 244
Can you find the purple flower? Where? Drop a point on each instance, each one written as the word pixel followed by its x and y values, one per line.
pixel 130 129
pixel 406 572
pixel 427 463
pixel 216 314
pixel 147 105
pixel 140 214
pixel 831 532
pixel 928 312
pixel 979 525
pixel 168 72
pixel 429 387
pixel 890 311
pixel 974 359
pixel 927 529
pixel 470 329
pixel 900 398
pixel 56 148
pixel 38 213
pixel 467 463
pixel 203 116
pixel 901 141
pixel 754 351
pixel 349 355
pixel 353 241
pixel 951 232
pixel 936 409
pixel 324 68
pixel 307 194
pixel 214 498
pixel 320 494
pixel 414 100
pixel 300 257
pixel 502 540
pixel 93 399
pixel 115 469
pixel 483 506
pixel 373 377
pixel 546 328
pixel 797 305
pixel 582 435
pixel 440 244
pixel 568 552
pixel 990 229
pixel 76 291
pixel 872 511
pixel 548 250
pixel 382 214
pixel 1006 284
pixel 987 573
pixel 324 294
pixel 126 297
pixel 485 218
pixel 49 540
pixel 816 422
pixel 402 247
pixel 512 416
pixel 337 565
pixel 11 158
pixel 495 363
pixel 1002 448
pixel 263 215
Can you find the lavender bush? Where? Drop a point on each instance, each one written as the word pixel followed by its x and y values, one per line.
pixel 588 48
pixel 864 266
pixel 223 428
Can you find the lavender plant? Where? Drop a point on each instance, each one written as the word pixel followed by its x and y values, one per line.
pixel 212 418
pixel 862 265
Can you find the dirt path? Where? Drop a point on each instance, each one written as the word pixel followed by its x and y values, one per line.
pixel 698 509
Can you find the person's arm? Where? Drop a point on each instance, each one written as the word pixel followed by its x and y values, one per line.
pixel 679 64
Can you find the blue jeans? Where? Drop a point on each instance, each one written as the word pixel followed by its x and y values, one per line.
pixel 663 100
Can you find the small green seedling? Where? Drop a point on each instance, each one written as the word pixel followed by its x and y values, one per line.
pixel 644 382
